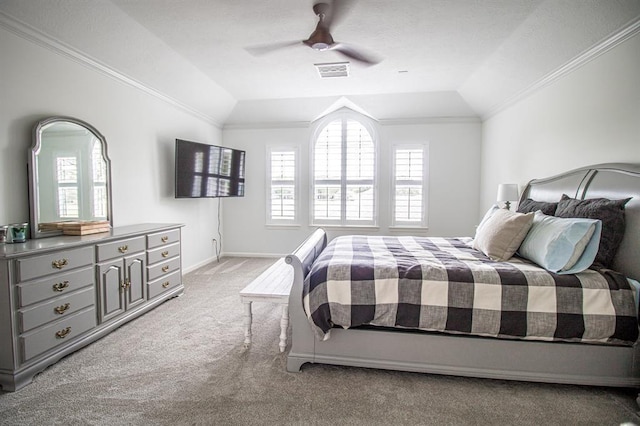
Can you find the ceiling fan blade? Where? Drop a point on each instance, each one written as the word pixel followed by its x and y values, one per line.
pixel 338 9
pixel 356 54
pixel 263 49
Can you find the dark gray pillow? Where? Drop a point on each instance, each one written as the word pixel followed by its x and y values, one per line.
pixel 530 205
pixel 610 212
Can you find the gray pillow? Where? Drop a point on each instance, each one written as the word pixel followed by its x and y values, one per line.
pixel 530 205
pixel 610 212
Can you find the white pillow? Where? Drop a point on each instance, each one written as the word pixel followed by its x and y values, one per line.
pixel 486 216
pixel 502 233
pixel 562 245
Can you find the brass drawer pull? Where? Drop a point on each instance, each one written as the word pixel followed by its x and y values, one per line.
pixel 164 239
pixel 63 333
pixel 62 309
pixel 61 286
pixel 123 249
pixel 59 264
pixel 125 284
pixel 165 254
pixel 165 268
pixel 166 284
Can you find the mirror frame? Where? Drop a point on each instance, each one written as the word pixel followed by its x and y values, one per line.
pixel 34 192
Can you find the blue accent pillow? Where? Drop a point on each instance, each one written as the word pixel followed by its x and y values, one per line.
pixel 562 245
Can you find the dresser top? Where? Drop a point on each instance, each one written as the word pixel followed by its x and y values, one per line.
pixel 42 245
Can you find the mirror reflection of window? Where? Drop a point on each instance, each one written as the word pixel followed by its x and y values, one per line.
pixel 198 162
pixel 67 187
pixel 197 184
pixel 99 172
pixel 212 186
pixel 225 163
pixel 214 161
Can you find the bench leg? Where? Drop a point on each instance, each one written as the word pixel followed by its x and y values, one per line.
pixel 247 324
pixel 284 325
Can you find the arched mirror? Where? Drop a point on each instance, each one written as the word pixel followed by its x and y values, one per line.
pixel 69 176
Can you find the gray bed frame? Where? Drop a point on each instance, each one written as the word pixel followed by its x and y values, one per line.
pixel 537 361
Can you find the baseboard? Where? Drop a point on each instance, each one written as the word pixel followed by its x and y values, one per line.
pixel 245 254
pixel 230 254
pixel 198 265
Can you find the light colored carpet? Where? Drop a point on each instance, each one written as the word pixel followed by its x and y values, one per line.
pixel 184 363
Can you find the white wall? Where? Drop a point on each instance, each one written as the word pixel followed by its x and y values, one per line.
pixel 454 171
pixel 589 116
pixel 37 82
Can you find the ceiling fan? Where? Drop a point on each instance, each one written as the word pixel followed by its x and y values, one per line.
pixel 321 39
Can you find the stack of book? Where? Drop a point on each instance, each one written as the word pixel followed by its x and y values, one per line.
pixel 77 228
pixel 85 228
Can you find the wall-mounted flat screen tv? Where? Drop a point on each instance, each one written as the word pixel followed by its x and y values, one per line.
pixel 204 171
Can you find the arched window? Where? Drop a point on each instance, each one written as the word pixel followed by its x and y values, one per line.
pixel 344 170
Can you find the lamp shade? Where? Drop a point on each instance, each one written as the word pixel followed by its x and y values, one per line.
pixel 508 192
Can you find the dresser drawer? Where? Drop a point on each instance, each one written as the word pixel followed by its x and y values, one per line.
pixel 159 286
pixel 163 253
pixel 56 285
pixel 39 266
pixel 60 332
pixel 55 309
pixel 120 248
pixel 163 238
pixel 162 269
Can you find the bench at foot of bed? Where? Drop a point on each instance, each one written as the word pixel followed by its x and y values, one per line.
pixel 273 285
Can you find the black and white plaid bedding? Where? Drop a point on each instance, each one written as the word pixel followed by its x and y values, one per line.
pixel 442 284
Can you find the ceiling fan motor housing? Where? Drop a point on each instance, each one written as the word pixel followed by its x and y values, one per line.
pixel 320 39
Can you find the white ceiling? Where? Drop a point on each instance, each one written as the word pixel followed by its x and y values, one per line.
pixel 440 57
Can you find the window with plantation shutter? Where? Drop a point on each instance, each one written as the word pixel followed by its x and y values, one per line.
pixel 99 172
pixel 67 187
pixel 344 160
pixel 409 185
pixel 282 198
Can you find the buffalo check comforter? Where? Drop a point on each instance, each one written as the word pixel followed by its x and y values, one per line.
pixel 444 285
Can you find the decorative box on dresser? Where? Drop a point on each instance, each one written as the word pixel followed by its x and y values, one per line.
pixel 59 294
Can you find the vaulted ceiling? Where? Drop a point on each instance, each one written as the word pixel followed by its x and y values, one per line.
pixel 438 57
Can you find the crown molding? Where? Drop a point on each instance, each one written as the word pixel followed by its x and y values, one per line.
pixel 268 125
pixel 383 122
pixel 627 32
pixel 29 33
pixel 428 120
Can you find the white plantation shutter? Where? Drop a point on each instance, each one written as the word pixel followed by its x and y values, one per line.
pixel 328 172
pixel 99 172
pixel 282 197
pixel 409 198
pixel 67 187
pixel 344 174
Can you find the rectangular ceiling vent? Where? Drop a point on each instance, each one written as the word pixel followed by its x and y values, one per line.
pixel 334 69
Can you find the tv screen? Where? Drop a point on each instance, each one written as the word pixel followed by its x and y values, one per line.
pixel 204 171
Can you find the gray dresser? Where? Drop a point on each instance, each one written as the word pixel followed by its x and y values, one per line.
pixel 59 294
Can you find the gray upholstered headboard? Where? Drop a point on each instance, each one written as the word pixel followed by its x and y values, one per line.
pixel 614 181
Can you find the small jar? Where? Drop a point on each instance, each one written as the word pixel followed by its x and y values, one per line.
pixel 17 233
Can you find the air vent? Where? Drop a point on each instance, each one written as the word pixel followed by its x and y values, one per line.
pixel 334 69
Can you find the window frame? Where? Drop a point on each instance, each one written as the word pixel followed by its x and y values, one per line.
pixel 280 221
pixel 319 126
pixel 423 222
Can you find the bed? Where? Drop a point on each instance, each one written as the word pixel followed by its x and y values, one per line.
pixel 612 359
